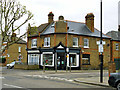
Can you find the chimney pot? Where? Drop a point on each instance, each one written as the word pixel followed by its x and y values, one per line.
pixel 61 18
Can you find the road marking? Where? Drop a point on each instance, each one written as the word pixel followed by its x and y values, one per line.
pixel 12 86
pixel 48 77
pixel 2 77
pixel 79 73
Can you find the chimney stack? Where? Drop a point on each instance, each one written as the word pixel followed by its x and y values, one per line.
pixel 50 17
pixel 90 21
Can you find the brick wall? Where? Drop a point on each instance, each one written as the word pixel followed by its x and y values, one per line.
pixel 13 52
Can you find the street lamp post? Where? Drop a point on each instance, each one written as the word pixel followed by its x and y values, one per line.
pixel 70 63
pixel 56 62
pixel 101 53
pixel 67 49
pixel 43 65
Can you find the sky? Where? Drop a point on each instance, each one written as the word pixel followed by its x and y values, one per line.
pixel 74 10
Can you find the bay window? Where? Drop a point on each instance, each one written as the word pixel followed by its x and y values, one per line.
pixel 33 59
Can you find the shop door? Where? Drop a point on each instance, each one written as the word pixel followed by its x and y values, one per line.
pixel 61 61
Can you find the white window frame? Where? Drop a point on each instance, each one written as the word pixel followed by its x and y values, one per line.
pixel 75 41
pixel 35 57
pixel 117 46
pixel 19 49
pixel 34 41
pixel 47 40
pixel 86 42
pixel 77 60
pixel 52 59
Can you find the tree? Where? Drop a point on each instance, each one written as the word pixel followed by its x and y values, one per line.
pixel 11 12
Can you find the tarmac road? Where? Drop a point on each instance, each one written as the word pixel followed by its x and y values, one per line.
pixel 12 78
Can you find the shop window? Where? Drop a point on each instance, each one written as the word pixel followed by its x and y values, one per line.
pixel 75 42
pixel 47 42
pixel 117 46
pixel 34 43
pixel 47 59
pixel 33 59
pixel 73 60
pixel 86 59
pixel 86 43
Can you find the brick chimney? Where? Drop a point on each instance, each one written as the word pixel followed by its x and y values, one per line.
pixel 50 17
pixel 89 21
pixel 13 37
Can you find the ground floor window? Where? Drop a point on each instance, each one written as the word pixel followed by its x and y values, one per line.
pixel 72 60
pixel 86 59
pixel 33 59
pixel 48 59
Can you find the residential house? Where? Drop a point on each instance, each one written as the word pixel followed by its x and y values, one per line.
pixel 115 47
pixel 16 51
pixel 65 43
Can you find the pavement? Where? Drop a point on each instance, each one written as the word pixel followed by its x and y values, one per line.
pixel 90 79
pixel 93 81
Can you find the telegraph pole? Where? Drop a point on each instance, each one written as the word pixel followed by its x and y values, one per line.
pixel 101 53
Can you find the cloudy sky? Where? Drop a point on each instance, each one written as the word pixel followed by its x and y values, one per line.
pixel 74 10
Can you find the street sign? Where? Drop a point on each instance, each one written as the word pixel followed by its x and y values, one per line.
pixel 100 48
pixel 98 42
pixel 67 49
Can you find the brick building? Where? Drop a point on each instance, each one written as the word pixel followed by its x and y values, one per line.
pixel 115 47
pixel 16 51
pixel 63 43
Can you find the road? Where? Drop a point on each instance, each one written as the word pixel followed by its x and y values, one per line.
pixel 12 78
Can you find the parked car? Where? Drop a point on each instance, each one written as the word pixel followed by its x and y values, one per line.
pixel 114 80
pixel 11 65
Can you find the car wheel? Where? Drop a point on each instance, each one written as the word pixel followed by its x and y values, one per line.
pixel 118 86
pixel 7 67
pixel 12 67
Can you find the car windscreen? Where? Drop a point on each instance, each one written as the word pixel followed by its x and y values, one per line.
pixel 12 63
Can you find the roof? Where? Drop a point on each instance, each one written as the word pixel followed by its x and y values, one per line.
pixel 115 35
pixel 35 30
pixel 42 27
pixel 21 42
pixel 75 28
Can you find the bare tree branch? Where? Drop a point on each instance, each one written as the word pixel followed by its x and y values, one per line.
pixel 11 12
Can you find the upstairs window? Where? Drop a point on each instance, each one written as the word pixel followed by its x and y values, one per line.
pixel 34 43
pixel 75 42
pixel 117 46
pixel 47 42
pixel 86 43
pixel 19 49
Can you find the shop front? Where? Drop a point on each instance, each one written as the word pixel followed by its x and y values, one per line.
pixel 56 58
